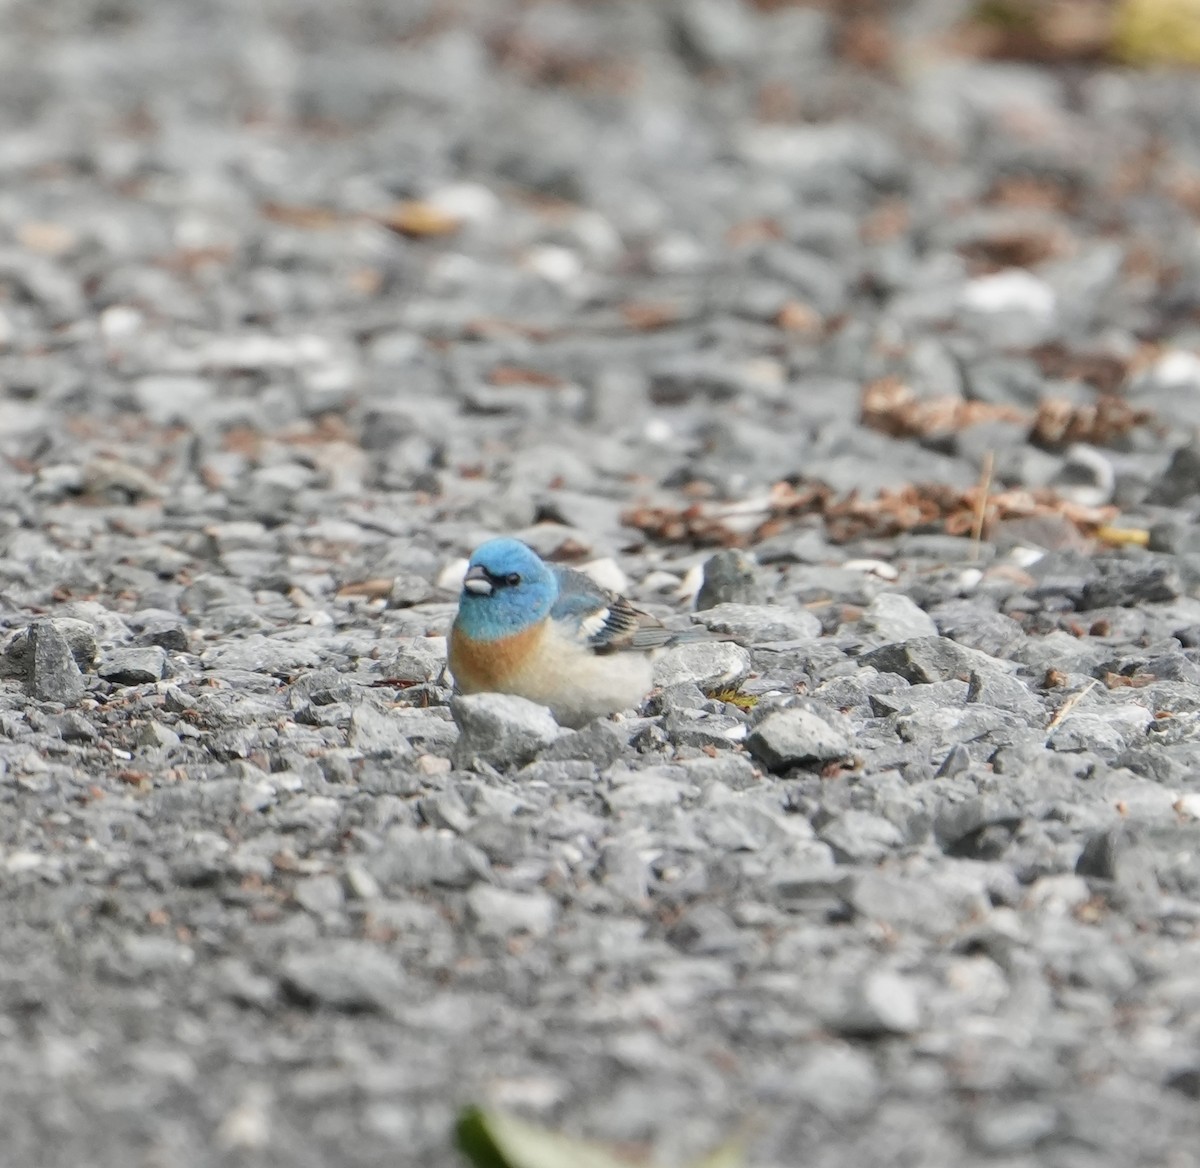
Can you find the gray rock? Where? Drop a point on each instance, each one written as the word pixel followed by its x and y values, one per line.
pixel 793 737
pixel 52 673
pixel 158 737
pixel 599 742
pixel 74 727
pixel 500 730
pixel 754 623
pixel 640 790
pixel 716 32
pixel 929 659
pixel 427 859
pixel 881 1003
pixel 1105 732
pixel 730 577
pixel 892 617
pixel 409 589
pixel 706 664
pixel 323 896
pixel 375 733
pixel 977 628
pixel 80 637
pixel 351 976
pixel 166 632
pixel 416 661
pixel 1003 1131
pixel 1147 579
pixel 840 1081
pixel 705 929
pixel 133 666
pixel 623 871
pixel 858 837
pixel 956 822
pixel 499 912
pixel 1181 480
pixel 935 905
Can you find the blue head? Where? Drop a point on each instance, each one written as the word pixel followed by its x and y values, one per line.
pixel 506 589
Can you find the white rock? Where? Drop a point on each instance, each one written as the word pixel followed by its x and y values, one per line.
pixel 607 573
pixel 558 265
pixel 466 202
pixel 1179 368
pixel 450 578
pixel 1013 290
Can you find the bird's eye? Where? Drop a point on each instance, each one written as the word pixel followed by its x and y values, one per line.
pixel 512 579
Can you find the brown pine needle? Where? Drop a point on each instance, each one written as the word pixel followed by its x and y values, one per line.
pixel 982 492
pixel 1071 703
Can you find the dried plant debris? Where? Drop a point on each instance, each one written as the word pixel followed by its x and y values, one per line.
pixel 1137 32
pixel 1150 32
pixel 1040 30
pixel 1105 422
pixel 918 507
pixel 495 1139
pixel 891 407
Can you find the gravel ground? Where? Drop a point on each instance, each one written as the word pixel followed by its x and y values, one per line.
pixel 300 301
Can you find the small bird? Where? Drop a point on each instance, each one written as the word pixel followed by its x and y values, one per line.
pixel 552 635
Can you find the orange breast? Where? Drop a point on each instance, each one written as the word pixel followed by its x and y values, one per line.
pixel 488 666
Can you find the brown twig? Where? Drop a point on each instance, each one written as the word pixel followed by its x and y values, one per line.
pixel 1071 703
pixel 983 490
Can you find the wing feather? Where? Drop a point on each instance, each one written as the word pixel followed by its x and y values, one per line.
pixel 608 623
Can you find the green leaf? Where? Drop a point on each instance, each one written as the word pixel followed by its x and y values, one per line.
pixel 491 1139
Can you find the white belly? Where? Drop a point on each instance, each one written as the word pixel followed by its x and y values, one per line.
pixel 577 684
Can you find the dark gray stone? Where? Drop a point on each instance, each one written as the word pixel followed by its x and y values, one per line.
pixel 730 577
pixel 1128 582
pixel 79 635
pixel 929 659
pixel 52 673
pixel 1181 480
pixel 133 666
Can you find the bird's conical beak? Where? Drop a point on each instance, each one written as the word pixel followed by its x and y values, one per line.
pixel 476 581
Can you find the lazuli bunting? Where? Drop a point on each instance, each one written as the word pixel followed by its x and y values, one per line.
pixel 552 635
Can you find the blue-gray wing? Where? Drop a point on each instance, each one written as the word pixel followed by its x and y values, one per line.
pixel 608 623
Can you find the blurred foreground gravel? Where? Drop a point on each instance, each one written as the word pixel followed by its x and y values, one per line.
pixel 300 301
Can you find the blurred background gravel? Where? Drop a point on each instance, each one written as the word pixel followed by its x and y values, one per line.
pixel 299 301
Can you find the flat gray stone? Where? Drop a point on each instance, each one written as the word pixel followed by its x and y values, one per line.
pixel 501 730
pixel 706 664
pixel 753 623
pixel 927 659
pixel 792 737
pixel 351 976
pixel 134 666
pixel 500 912
pixel 892 616
pixel 374 732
